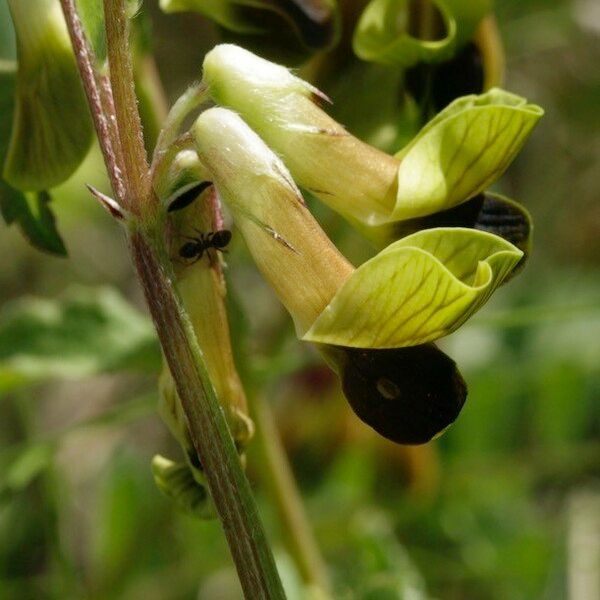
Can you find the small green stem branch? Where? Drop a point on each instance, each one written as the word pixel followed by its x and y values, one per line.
pixel 278 477
pixel 226 480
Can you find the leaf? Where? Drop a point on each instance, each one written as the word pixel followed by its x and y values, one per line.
pixel 52 129
pixel 126 523
pixel 460 152
pixel 385 568
pixel 7 34
pixel 384 35
pixel 30 211
pixel 417 290
pixel 26 467
pixel 88 331
pixel 35 218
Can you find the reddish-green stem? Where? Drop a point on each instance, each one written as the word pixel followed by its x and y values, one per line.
pixel 225 477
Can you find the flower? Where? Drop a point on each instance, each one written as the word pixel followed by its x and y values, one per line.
pixel 374 324
pixel 455 157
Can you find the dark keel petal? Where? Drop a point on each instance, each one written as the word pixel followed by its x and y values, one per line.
pixel 408 395
pixel 505 218
pixel 436 86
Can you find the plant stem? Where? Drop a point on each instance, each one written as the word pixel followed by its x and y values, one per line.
pixel 226 480
pixel 135 163
pixel 280 480
pixel 488 39
pixel 228 485
pixel 85 63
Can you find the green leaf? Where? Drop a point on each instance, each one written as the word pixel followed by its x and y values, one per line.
pixel 127 521
pixel 384 35
pixel 86 332
pixel 52 129
pixel 26 467
pixel 460 152
pixel 30 211
pixel 35 218
pixel 7 34
pixel 385 569
pixel 418 289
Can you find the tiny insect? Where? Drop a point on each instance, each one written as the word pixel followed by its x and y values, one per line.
pixel 196 248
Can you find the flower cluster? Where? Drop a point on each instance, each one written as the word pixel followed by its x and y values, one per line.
pixel 374 324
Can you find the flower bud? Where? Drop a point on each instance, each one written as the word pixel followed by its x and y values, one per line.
pixel 183 173
pixel 52 129
pixel 459 153
pixel 295 256
pixel 176 481
pixel 202 290
pixel 353 178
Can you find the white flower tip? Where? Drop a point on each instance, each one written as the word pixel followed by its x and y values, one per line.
pixel 227 67
pixel 225 141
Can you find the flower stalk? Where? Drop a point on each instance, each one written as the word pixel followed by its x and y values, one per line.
pixel 135 163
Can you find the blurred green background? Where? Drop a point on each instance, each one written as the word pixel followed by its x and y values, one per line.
pixel 505 506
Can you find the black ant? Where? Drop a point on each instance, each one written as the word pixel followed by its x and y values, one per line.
pixel 204 242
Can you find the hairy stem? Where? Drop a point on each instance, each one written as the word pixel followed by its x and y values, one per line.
pixel 225 477
pixel 228 485
pixel 86 64
pixel 135 162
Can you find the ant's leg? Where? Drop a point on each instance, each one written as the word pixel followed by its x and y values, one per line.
pixel 203 235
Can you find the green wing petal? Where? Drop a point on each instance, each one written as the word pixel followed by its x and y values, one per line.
pixel 385 34
pixel 418 289
pixel 461 151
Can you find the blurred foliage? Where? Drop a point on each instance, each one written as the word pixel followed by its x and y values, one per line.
pixel 83 333
pixel 483 513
